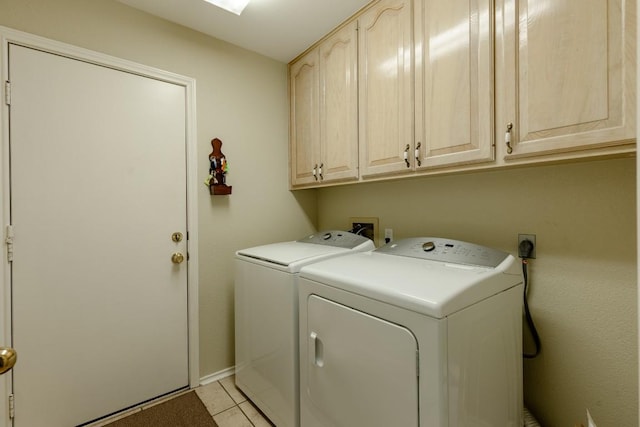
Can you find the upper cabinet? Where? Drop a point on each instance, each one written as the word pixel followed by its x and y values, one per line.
pixel 453 82
pixel 304 144
pixel 339 104
pixel 324 111
pixel 410 87
pixel 565 75
pixel 386 88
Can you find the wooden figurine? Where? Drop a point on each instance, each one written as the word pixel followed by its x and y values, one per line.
pixel 218 168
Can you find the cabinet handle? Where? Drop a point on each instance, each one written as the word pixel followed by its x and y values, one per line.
pixel 507 138
pixel 320 171
pixel 315 175
pixel 406 155
pixel 417 154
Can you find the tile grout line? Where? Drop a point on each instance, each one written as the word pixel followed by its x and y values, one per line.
pixel 237 405
pixel 246 416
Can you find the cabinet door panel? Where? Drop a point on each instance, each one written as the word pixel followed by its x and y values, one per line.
pixel 304 138
pixel 454 81
pixel 339 105
pixel 386 90
pixel 573 43
pixel 570 85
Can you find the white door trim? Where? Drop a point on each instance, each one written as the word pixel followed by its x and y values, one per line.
pixel 9 36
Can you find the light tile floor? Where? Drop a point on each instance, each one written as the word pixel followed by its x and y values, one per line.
pixel 228 406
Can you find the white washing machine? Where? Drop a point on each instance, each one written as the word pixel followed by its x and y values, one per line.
pixel 266 316
pixel 421 332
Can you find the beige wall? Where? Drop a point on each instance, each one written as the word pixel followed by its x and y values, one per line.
pixel 241 99
pixel 583 282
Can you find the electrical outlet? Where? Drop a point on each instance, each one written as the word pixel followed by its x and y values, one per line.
pixel 364 226
pixel 388 235
pixel 532 239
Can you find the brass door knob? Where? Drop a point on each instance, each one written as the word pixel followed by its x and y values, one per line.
pixel 177 258
pixel 8 357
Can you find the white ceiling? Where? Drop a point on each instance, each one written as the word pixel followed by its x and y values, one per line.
pixel 279 29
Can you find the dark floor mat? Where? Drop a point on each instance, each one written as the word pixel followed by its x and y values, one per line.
pixel 186 410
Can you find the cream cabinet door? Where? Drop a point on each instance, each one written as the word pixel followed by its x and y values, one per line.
pixel 304 75
pixel 454 82
pixel 339 105
pixel 386 88
pixel 566 74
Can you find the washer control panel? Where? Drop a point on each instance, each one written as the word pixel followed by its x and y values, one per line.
pixel 337 238
pixel 445 250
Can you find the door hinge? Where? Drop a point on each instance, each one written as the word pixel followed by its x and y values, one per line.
pixel 12 406
pixel 9 241
pixel 7 92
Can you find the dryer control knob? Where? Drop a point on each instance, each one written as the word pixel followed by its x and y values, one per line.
pixel 327 236
pixel 428 246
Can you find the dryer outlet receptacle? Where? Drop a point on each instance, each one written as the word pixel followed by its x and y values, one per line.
pixel 388 235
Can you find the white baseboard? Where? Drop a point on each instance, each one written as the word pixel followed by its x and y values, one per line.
pixel 217 376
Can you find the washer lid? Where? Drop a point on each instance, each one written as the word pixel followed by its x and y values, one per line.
pixel 430 287
pixel 293 255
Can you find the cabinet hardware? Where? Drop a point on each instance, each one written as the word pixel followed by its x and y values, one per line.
pixel 320 171
pixel 315 174
pixel 406 155
pixel 417 154
pixel 507 138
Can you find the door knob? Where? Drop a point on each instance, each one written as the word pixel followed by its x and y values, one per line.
pixel 177 258
pixel 8 357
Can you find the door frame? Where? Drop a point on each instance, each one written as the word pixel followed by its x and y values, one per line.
pixel 9 36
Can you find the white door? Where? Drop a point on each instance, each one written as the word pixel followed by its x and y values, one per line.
pixel 98 186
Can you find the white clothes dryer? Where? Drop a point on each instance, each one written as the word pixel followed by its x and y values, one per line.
pixel 266 317
pixel 421 332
